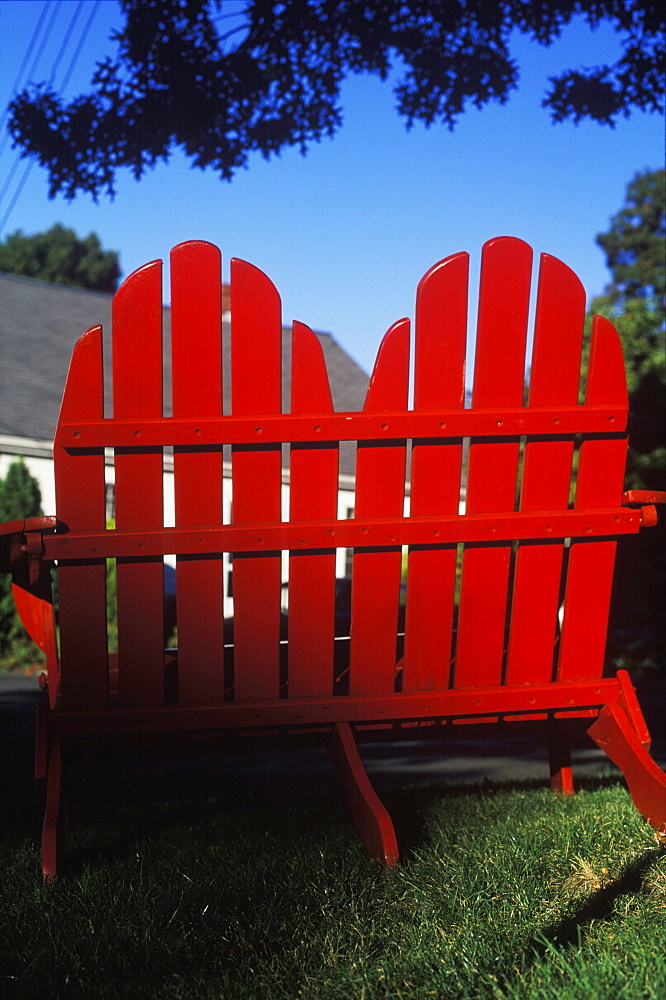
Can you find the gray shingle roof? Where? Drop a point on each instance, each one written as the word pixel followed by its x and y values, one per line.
pixel 40 323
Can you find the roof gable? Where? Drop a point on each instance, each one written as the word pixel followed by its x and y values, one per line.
pixel 40 323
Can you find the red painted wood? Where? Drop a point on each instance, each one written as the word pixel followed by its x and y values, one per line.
pixel 256 357
pixel 629 702
pixel 499 421
pixel 559 757
pixel 257 529
pixel 380 488
pixel 499 374
pixel 80 502
pixel 313 495
pixel 41 745
pixel 425 530
pixel 52 813
pixel 37 616
pixel 547 472
pixel 370 816
pixel 615 735
pixel 137 392
pixel 469 705
pixel 600 479
pixel 196 350
pixel 439 383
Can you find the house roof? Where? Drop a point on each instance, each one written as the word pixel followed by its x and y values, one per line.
pixel 40 323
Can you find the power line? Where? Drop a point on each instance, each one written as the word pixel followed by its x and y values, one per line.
pixel 56 8
pixel 17 161
pixel 33 41
pixel 77 51
pixel 65 42
pixel 68 34
pixel 28 51
pixel 19 189
pixel 9 178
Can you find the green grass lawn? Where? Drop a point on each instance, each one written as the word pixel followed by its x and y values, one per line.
pixel 502 892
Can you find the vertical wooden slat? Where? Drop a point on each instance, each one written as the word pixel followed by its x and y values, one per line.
pixel 380 487
pixel 137 392
pixel 256 357
pixel 439 383
pixel 599 483
pixel 313 495
pixel 499 375
pixel 81 503
pixel 547 469
pixel 196 350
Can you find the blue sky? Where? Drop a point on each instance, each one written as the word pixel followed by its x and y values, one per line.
pixel 346 232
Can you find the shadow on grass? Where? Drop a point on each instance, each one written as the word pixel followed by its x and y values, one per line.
pixel 112 834
pixel 107 827
pixel 598 906
pixel 558 938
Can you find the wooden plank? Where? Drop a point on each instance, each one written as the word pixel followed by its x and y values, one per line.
pixel 196 351
pixel 600 479
pixel 499 375
pixel 256 358
pixel 81 502
pixel 439 383
pixel 137 392
pixel 547 472
pixel 498 421
pixel 380 490
pixel 313 495
pixel 301 713
pixel 439 529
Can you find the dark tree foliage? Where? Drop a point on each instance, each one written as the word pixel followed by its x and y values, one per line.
pixel 635 247
pixel 58 255
pixel 19 497
pixel 222 82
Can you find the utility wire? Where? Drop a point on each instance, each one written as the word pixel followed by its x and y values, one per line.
pixel 33 41
pixel 66 78
pixel 56 7
pixel 65 42
pixel 28 51
pixel 77 51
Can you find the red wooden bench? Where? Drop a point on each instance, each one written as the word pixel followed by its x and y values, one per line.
pixel 507 604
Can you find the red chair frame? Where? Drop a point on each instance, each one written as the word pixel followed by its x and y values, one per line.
pixel 507 603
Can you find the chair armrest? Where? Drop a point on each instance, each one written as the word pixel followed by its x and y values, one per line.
pixel 21 545
pixel 21 554
pixel 25 524
pixel 646 500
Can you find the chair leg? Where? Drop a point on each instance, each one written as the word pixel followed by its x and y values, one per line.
pixel 617 737
pixel 559 758
pixel 41 746
pixel 370 815
pixel 52 814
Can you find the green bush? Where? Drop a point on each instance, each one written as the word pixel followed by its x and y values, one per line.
pixel 19 497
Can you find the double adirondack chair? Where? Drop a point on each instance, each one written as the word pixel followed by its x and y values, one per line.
pixel 507 599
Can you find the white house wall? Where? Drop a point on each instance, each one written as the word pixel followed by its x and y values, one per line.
pixel 37 457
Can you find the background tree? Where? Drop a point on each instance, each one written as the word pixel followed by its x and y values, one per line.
pixel 268 75
pixel 19 497
pixel 635 248
pixel 58 255
pixel 634 300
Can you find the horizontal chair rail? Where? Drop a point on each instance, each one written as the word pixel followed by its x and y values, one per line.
pixel 580 697
pixel 290 427
pixel 290 535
